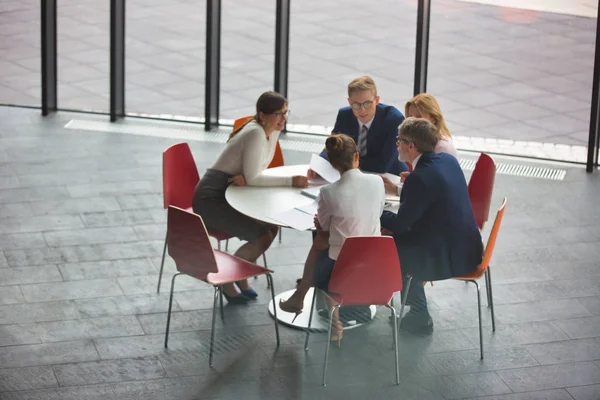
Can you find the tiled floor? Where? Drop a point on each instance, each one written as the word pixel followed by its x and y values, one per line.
pixel 81 230
pixel 498 72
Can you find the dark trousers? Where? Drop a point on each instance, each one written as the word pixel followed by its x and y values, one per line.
pixel 416 295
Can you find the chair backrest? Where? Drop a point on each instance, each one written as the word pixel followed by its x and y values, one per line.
pixel 180 176
pixel 489 248
pixel 277 160
pixel 189 244
pixel 367 271
pixel 481 186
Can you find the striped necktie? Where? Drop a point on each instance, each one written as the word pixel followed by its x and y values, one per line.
pixel 362 140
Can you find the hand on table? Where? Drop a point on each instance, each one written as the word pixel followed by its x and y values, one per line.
pixel 299 181
pixel 237 180
pixel 390 187
pixel 312 175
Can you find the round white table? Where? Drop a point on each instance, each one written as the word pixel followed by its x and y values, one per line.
pixel 262 202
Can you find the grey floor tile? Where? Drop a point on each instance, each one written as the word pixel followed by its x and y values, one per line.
pixel 90 373
pixel 508 335
pixel 121 218
pixel 109 189
pixel 37 312
pixel 540 311
pixel 106 269
pixel 146 346
pixel 566 351
pixel 22 241
pixel 148 283
pixel 18 334
pixel 467 385
pixel 75 206
pixel 71 290
pixel 28 378
pixel 124 305
pixel 176 388
pixel 579 328
pixel 47 354
pixel 11 295
pixel 591 392
pixel 103 392
pixel 90 236
pixel 592 304
pixel 461 362
pixel 26 275
pixel 16 195
pixel 551 376
pixel 558 394
pixel 39 224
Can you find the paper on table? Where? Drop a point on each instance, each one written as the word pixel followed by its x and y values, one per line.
pixel 312 192
pixel 310 209
pixel 322 167
pixel 295 219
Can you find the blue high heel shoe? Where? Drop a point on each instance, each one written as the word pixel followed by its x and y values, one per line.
pixel 250 293
pixel 237 299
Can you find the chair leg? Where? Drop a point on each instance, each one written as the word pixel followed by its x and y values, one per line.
pixel 212 328
pixel 395 335
pixel 479 315
pixel 491 298
pixel 487 287
pixel 404 301
pixel 221 303
pixel 328 343
pixel 219 245
pixel 162 265
pixel 265 265
pixel 170 308
pixel 227 245
pixel 280 229
pixel 270 281
pixel 312 308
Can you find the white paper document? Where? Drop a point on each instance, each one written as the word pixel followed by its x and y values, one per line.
pixel 322 167
pixel 312 192
pixel 295 219
pixel 310 208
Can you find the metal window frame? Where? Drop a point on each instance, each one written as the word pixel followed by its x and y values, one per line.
pixel 594 135
pixel 212 84
pixel 282 46
pixel 117 59
pixel 422 46
pixel 49 56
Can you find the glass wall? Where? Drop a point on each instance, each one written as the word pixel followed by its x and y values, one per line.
pixel 332 43
pixel 247 55
pixel 165 49
pixel 20 63
pixel 83 54
pixel 518 78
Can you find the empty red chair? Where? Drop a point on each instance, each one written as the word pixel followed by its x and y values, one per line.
pixel 180 177
pixel 366 272
pixel 484 269
pixel 189 245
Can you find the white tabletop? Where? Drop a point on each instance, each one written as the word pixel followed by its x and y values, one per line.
pixel 261 202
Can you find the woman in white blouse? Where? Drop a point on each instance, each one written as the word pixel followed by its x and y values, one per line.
pixel 244 160
pixel 426 106
pixel 351 206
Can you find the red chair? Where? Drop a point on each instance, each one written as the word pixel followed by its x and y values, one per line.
pixel 484 270
pixel 364 278
pixel 189 245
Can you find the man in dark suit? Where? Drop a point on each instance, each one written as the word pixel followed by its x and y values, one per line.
pixel 372 125
pixel 435 229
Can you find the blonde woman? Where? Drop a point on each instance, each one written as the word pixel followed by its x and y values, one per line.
pixel 426 106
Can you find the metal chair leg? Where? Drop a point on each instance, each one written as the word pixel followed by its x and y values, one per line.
pixel 227 245
pixel 328 343
pixel 265 265
pixel 162 265
pixel 280 229
pixel 270 281
pixel 312 308
pixel 395 334
pixel 221 303
pixel 212 328
pixel 219 245
pixel 170 308
pixel 491 299
pixel 404 301
pixel 479 314
pixel 487 286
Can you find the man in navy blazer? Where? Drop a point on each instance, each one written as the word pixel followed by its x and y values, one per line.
pixel 435 229
pixel 372 125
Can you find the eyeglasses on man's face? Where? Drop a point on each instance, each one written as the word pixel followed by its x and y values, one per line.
pixel 365 104
pixel 401 139
pixel 285 113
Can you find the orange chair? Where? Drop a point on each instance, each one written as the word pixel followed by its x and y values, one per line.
pixel 189 245
pixel 484 269
pixel 180 176
pixel 364 278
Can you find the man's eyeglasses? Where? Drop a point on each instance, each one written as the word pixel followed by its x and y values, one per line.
pixel 285 113
pixel 401 139
pixel 364 104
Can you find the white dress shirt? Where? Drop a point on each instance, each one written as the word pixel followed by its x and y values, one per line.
pixel 351 206
pixel 249 153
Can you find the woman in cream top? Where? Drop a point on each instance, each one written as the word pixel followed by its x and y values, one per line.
pixel 244 160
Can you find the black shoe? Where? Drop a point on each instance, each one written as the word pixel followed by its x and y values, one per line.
pixel 237 299
pixel 417 323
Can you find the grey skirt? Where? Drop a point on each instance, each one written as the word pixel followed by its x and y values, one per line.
pixel 209 202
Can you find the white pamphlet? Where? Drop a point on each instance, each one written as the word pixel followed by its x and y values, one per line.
pixel 295 219
pixel 322 167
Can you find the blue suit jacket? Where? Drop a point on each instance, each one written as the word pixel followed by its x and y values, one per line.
pixel 435 229
pixel 382 151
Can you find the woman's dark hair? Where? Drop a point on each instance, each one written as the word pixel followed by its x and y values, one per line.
pixel 268 103
pixel 340 151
